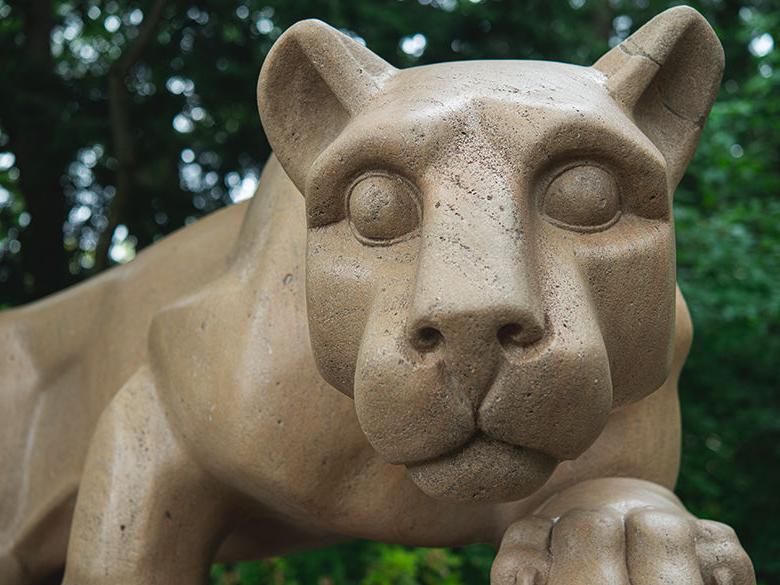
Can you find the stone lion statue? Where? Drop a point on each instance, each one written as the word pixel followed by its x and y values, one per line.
pixel 448 315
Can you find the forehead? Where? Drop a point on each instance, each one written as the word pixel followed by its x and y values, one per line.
pixel 526 108
pixel 541 84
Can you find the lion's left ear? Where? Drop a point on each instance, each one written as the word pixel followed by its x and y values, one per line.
pixel 666 76
pixel 313 81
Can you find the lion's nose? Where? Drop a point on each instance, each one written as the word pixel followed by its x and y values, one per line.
pixel 510 326
pixel 477 282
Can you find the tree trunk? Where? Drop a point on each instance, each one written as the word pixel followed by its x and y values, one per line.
pixel 39 160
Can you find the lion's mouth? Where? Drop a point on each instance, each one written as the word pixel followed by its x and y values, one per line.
pixel 483 469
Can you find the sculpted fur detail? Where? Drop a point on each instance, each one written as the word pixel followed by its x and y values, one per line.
pixel 449 315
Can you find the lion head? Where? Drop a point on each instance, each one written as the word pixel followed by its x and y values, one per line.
pixel 490 257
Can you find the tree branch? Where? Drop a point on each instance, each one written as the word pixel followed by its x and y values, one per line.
pixel 133 52
pixel 119 115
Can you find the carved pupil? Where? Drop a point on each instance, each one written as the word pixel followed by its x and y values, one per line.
pixel 382 208
pixel 582 197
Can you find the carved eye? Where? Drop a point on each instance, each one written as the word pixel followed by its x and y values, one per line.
pixel 582 198
pixel 383 208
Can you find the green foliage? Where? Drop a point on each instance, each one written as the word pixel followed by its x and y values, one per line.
pixel 195 131
pixel 365 563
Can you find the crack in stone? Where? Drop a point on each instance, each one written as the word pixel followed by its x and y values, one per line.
pixel 636 51
pixel 668 106
pixel 632 49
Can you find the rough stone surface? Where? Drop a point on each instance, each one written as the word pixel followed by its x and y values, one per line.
pixel 466 330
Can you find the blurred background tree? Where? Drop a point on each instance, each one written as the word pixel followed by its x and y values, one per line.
pixel 123 120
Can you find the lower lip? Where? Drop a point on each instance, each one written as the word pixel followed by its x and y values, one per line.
pixel 484 470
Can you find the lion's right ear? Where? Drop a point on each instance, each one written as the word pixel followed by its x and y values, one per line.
pixel 313 81
pixel 666 76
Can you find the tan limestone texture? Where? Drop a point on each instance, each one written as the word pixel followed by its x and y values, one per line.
pixel 448 315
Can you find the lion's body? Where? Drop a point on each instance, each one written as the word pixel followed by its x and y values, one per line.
pixel 66 357
pixel 102 328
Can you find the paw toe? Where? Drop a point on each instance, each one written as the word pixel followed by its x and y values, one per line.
pixel 722 558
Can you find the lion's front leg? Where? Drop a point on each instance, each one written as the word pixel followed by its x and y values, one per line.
pixel 146 514
pixel 619 531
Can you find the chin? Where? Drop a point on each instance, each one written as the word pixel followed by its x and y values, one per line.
pixel 484 470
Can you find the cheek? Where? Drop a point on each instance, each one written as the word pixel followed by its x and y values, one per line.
pixel 343 277
pixel 631 277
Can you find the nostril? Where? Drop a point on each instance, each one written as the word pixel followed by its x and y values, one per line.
pixel 427 338
pixel 514 334
pixel 511 334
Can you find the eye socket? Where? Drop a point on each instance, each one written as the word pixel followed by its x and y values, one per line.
pixel 582 198
pixel 382 208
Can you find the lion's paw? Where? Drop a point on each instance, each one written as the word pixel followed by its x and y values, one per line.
pixel 646 546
